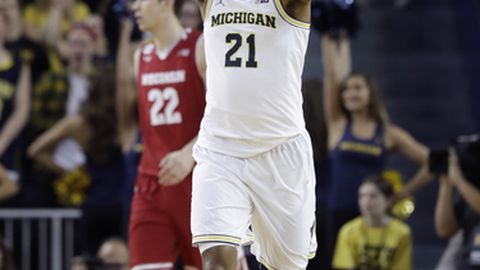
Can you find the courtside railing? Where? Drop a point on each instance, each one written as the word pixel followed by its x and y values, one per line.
pixel 52 229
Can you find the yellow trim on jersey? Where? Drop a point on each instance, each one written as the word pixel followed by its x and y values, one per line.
pixel 208 5
pixel 288 18
pixel 311 255
pixel 216 238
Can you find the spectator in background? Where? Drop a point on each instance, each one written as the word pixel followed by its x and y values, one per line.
pixel 78 263
pixel 460 212
pixel 360 135
pixel 190 16
pixel 94 130
pixel 17 42
pixel 15 105
pixel 80 51
pixel 96 25
pixel 48 21
pixel 63 88
pixel 114 253
pixel 375 240
pixel 60 91
pixel 6 262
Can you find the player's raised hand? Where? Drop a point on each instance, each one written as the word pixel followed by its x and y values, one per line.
pixel 174 167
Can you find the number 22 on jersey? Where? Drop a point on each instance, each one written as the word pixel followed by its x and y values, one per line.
pixel 164 108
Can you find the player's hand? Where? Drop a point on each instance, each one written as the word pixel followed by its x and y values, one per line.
pixel 174 167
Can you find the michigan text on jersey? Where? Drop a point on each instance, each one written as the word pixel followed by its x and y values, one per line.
pixel 243 18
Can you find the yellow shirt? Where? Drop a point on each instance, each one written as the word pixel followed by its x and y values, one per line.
pixel 34 15
pixel 360 246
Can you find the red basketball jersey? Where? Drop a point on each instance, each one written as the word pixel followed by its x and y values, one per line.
pixel 171 100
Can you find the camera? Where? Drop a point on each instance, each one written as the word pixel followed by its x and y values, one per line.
pixel 467 148
pixel 333 16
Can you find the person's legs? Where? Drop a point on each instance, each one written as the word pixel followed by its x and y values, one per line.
pixel 152 236
pixel 222 257
pixel 282 188
pixel 221 208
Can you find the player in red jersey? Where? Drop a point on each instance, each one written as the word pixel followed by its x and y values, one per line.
pixel 171 100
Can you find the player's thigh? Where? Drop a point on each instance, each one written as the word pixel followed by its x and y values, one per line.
pixel 152 234
pixel 221 206
pixel 283 193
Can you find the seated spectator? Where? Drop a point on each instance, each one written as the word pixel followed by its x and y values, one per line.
pixel 458 208
pixel 375 240
pixel 114 253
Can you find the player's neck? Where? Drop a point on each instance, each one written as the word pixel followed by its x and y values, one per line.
pixel 167 34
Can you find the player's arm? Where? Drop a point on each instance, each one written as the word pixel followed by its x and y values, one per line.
pixel 298 9
pixel 200 57
pixel 41 149
pixel 175 166
pixel 8 187
pixel 337 65
pixel 19 117
pixel 416 152
pixel 125 96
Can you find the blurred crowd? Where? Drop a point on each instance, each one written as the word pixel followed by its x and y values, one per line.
pixel 59 141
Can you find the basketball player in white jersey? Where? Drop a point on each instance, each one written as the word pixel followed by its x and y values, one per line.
pixel 254 157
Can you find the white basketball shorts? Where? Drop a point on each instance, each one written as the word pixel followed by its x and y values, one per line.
pixel 272 193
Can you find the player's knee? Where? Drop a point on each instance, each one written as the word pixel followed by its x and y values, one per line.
pixel 219 258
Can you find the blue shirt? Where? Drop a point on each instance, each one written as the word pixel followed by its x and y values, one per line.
pixel 352 160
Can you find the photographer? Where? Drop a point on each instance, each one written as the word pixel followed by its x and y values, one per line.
pixel 461 211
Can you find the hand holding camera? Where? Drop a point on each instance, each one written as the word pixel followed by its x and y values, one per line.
pixel 455 174
pixel 460 162
pixel 459 167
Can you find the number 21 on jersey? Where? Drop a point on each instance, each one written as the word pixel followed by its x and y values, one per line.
pixel 236 39
pixel 164 108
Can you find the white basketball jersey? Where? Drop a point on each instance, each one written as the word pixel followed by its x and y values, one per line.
pixel 255 56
